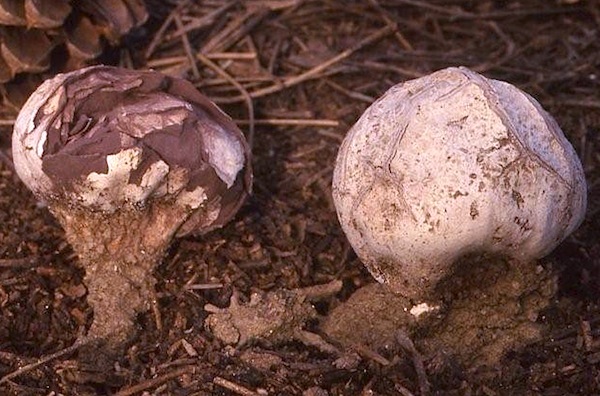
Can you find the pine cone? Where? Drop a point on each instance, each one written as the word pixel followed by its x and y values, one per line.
pixel 41 37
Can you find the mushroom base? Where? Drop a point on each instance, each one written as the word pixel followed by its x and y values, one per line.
pixel 483 312
pixel 370 317
pixel 489 307
pixel 118 252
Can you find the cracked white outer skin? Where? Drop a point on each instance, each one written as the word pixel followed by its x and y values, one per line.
pixel 108 192
pixel 451 164
pixel 28 138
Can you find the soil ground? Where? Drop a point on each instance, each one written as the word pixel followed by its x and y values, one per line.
pixel 296 75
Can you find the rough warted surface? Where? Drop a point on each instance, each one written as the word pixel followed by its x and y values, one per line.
pixel 452 164
pixel 287 236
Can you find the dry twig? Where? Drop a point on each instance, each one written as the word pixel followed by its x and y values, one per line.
pixel 235 388
pixel 154 382
pixel 315 72
pixel 45 359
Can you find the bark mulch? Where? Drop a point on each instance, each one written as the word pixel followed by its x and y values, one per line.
pixel 295 75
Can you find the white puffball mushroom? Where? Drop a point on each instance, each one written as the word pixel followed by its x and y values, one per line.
pixel 127 160
pixel 452 164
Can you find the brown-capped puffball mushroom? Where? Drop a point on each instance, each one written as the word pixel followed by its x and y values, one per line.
pixel 454 165
pixel 126 160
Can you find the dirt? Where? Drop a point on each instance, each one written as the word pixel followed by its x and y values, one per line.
pixel 488 309
pixel 118 252
pixel 272 317
pixel 358 321
pixel 478 314
pixel 310 68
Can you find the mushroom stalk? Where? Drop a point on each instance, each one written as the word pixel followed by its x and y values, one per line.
pixel 119 261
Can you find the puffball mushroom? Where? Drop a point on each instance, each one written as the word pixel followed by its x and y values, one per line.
pixel 452 164
pixel 126 160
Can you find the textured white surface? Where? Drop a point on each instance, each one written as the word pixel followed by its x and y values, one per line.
pixel 193 199
pixel 106 190
pixel 422 308
pixel 28 138
pixel 450 164
pixel 225 154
